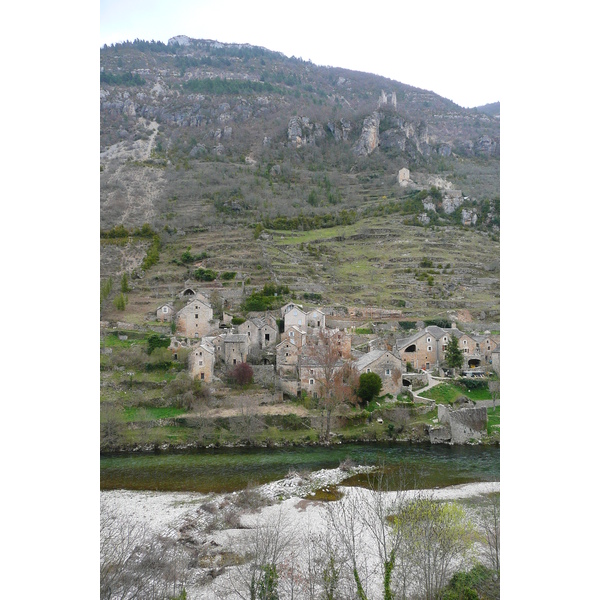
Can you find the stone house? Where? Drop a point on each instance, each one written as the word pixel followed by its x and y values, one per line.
pixel 261 333
pixel 427 348
pixel 201 362
pixel 312 374
pixel 288 354
pixel 165 312
pixel 387 365
pixel 195 320
pixel 295 335
pixel 234 348
pixel 294 315
pixel 315 318
pixel 484 346
pixel 496 359
pixel 335 338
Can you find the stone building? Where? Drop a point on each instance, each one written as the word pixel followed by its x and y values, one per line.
pixel 339 340
pixel 387 365
pixel 294 316
pixel 426 349
pixel 262 332
pixel 288 354
pixel 195 320
pixel 312 375
pixel 165 312
pixel 496 359
pixel 315 319
pixel 234 348
pixel 201 362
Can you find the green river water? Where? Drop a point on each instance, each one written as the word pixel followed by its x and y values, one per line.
pixel 230 469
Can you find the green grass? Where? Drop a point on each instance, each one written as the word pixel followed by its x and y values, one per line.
pixel 133 414
pixel 493 419
pixel 112 341
pixel 447 393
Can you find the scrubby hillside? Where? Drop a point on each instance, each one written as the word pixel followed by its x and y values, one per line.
pixel 281 170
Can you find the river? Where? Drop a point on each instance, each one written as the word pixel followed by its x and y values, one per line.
pixel 223 470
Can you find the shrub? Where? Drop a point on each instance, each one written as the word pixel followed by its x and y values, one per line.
pixel 157 341
pixel 369 386
pixel 242 374
pixel 120 302
pixel 238 320
pixel 228 275
pixel 205 274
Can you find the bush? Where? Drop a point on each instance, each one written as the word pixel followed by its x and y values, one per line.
pixel 157 341
pixel 238 320
pixel 242 374
pixel 205 274
pixel 228 275
pixel 369 386
pixel 474 384
pixel 120 302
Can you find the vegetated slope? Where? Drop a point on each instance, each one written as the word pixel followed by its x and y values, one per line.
pixel 204 141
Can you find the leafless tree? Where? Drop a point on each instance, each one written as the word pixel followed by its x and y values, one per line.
pixel 135 564
pixel 488 521
pixel 337 380
pixel 258 577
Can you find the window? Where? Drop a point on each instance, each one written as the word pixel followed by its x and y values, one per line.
pixel 428 340
pixel 287 353
pixel 248 334
pixel 464 342
pixel 445 339
pixel 295 313
pixel 311 381
pixel 267 337
pixel 429 348
pixel 196 315
pixel 200 363
pixel 312 371
pixel 235 361
pixel 175 356
pixel 368 370
pixel 201 375
pixel 388 371
pixel 165 309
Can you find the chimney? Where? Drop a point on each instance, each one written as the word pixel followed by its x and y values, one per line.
pixel 453 325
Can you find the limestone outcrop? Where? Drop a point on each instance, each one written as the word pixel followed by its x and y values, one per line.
pixel 369 137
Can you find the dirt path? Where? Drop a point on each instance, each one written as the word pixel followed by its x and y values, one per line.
pixel 270 409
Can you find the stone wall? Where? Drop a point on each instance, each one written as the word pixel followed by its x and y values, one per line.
pixel 264 375
pixel 465 423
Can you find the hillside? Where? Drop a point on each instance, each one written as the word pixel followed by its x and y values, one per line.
pixel 281 170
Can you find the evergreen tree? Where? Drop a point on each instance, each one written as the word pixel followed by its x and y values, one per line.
pixel 454 357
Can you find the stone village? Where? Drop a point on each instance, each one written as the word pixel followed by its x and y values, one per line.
pixel 292 348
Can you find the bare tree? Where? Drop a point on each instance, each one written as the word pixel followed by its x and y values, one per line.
pixel 137 564
pixel 337 380
pixel 488 520
pixel 258 578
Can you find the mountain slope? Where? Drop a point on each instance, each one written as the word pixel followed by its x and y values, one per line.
pixel 203 140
